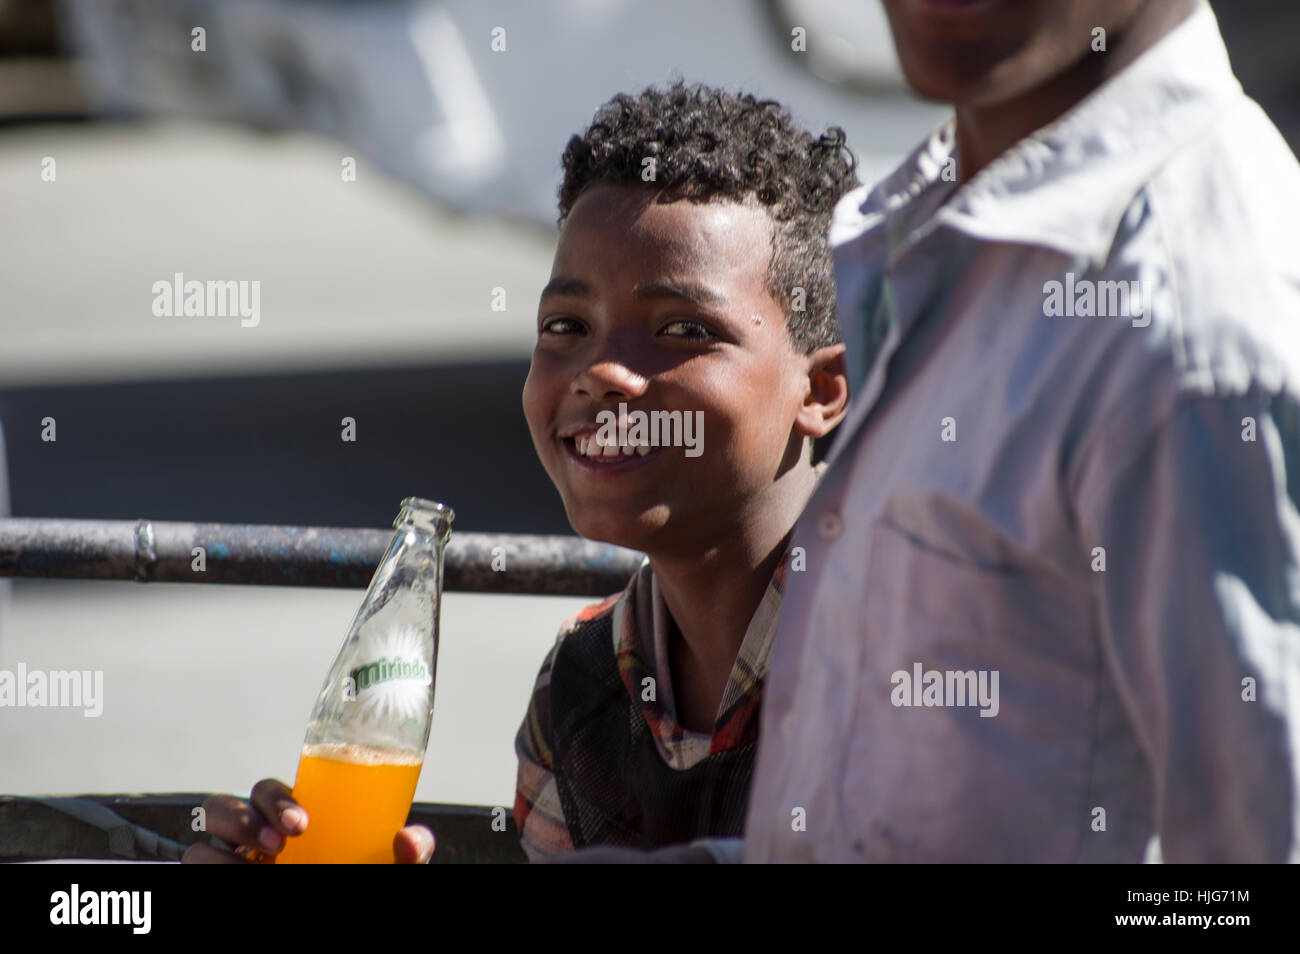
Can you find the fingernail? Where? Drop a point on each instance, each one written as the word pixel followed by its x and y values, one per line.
pixel 294 819
pixel 271 839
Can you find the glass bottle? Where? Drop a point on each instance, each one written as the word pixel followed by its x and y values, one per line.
pixel 369 729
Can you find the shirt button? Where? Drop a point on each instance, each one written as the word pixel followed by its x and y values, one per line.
pixel 830 525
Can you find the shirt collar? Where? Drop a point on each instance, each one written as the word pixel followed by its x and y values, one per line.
pixel 1067 185
pixel 642 623
pixel 652 617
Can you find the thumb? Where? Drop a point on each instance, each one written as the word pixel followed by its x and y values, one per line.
pixel 413 845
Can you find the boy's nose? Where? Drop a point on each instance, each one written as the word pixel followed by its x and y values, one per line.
pixel 607 379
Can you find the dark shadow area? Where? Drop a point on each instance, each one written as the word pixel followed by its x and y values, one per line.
pixel 270 449
pixel 1261 40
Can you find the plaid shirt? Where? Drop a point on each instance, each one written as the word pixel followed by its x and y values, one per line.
pixel 636 612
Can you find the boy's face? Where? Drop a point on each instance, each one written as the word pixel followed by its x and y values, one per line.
pixel 984 52
pixel 664 306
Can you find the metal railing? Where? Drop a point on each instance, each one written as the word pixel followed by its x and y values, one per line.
pixel 160 826
pixel 153 551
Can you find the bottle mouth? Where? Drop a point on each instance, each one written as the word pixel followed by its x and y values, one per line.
pixel 426 513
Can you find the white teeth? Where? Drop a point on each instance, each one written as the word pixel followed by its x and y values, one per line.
pixel 588 446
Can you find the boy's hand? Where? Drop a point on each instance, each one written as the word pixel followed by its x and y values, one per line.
pixel 259 826
pixel 259 829
pixel 413 845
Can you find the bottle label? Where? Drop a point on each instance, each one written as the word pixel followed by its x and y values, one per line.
pixel 385 684
pixel 388 669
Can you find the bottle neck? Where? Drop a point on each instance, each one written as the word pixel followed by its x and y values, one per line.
pixel 425 518
pixel 430 530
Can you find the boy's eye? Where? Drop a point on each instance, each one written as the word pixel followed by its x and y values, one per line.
pixel 686 328
pixel 560 326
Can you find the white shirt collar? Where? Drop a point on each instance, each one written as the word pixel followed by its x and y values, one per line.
pixel 1067 185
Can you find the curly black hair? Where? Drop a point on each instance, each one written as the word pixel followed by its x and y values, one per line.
pixel 709 143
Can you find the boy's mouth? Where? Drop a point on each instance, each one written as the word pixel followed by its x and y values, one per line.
pixel 583 449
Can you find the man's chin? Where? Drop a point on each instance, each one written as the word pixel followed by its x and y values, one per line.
pixel 943 78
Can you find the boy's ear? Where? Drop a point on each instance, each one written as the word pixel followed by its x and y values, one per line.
pixel 827 399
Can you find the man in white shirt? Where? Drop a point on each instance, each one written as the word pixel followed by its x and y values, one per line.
pixel 1052 604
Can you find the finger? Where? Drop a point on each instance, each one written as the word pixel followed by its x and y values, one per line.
pixel 201 853
pixel 236 821
pixel 276 803
pixel 413 845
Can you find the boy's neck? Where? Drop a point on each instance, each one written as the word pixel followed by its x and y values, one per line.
pixel 713 594
pixel 984 132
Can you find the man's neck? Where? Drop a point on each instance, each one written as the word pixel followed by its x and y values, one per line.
pixel 984 132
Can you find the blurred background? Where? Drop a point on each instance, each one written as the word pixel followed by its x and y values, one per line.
pixel 215 138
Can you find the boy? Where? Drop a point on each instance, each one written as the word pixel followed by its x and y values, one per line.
pixel 691 285
pixel 704 289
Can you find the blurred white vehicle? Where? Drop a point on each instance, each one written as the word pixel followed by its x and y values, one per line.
pixel 472 102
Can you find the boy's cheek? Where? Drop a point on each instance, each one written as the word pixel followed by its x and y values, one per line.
pixel 534 414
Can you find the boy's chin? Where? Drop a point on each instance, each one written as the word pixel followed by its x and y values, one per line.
pixel 635 532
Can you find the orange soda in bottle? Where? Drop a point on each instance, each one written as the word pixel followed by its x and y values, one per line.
pixel 368 732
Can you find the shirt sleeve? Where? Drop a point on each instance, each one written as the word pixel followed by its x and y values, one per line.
pixel 538 813
pixel 1200 604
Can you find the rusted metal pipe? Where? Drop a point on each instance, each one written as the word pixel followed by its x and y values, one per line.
pixel 270 554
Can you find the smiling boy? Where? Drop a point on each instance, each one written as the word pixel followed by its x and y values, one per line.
pixel 691 280
pixel 702 292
